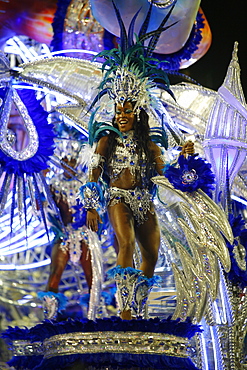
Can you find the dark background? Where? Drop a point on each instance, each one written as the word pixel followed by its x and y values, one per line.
pixel 228 23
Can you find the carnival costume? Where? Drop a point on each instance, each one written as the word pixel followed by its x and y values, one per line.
pixel 70 234
pixel 69 238
pixel 132 75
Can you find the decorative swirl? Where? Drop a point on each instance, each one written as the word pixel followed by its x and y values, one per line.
pixel 34 157
pixel 33 140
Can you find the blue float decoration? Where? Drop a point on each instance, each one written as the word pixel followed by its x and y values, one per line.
pixel 237 275
pixel 41 333
pixel 192 173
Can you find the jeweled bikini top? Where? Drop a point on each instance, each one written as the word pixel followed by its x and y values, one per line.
pixel 126 157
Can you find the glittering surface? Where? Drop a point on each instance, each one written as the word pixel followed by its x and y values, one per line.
pixel 25 348
pixel 72 77
pixel 225 142
pixel 33 142
pixel 118 342
pixel 202 224
pixel 139 201
pixel 98 275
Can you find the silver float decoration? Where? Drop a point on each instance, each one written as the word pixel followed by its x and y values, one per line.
pixel 225 142
pixel 199 277
pixel 98 274
pixel 33 139
pixel 225 145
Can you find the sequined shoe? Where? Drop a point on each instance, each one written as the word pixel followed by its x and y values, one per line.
pixel 50 307
pixel 125 280
pixel 142 290
pixel 52 304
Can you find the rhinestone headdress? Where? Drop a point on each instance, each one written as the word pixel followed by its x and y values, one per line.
pixel 130 86
pixel 130 72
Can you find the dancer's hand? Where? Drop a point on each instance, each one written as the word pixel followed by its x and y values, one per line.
pixel 93 219
pixel 188 148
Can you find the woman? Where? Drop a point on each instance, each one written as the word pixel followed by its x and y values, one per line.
pixel 130 162
pixel 72 246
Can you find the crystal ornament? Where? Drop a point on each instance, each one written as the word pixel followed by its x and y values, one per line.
pixel 126 279
pixel 50 307
pixel 33 140
pixel 131 85
pixel 225 142
pixel 189 177
pixel 11 137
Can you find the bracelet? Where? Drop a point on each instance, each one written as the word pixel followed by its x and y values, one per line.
pixel 91 196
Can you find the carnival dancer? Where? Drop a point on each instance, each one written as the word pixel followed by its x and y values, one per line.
pixel 130 162
pixel 71 236
pixel 129 158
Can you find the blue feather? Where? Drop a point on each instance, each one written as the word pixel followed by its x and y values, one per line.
pixel 47 329
pixel 145 24
pixel 58 24
pixel 118 270
pixel 117 361
pixel 123 33
pixel 153 42
pixel 171 62
pixel 131 29
pixel 97 98
pixel 237 276
pixel 108 127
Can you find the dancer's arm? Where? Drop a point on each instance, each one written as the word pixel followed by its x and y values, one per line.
pixel 95 171
pixel 160 163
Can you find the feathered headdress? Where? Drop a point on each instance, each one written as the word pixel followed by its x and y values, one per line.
pixel 130 72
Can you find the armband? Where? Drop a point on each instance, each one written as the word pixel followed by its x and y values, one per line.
pixel 165 164
pixel 96 161
pixel 91 196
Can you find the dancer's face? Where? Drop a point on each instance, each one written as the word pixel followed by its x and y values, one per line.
pixel 125 116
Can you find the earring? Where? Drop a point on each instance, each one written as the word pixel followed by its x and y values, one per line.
pixel 138 114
